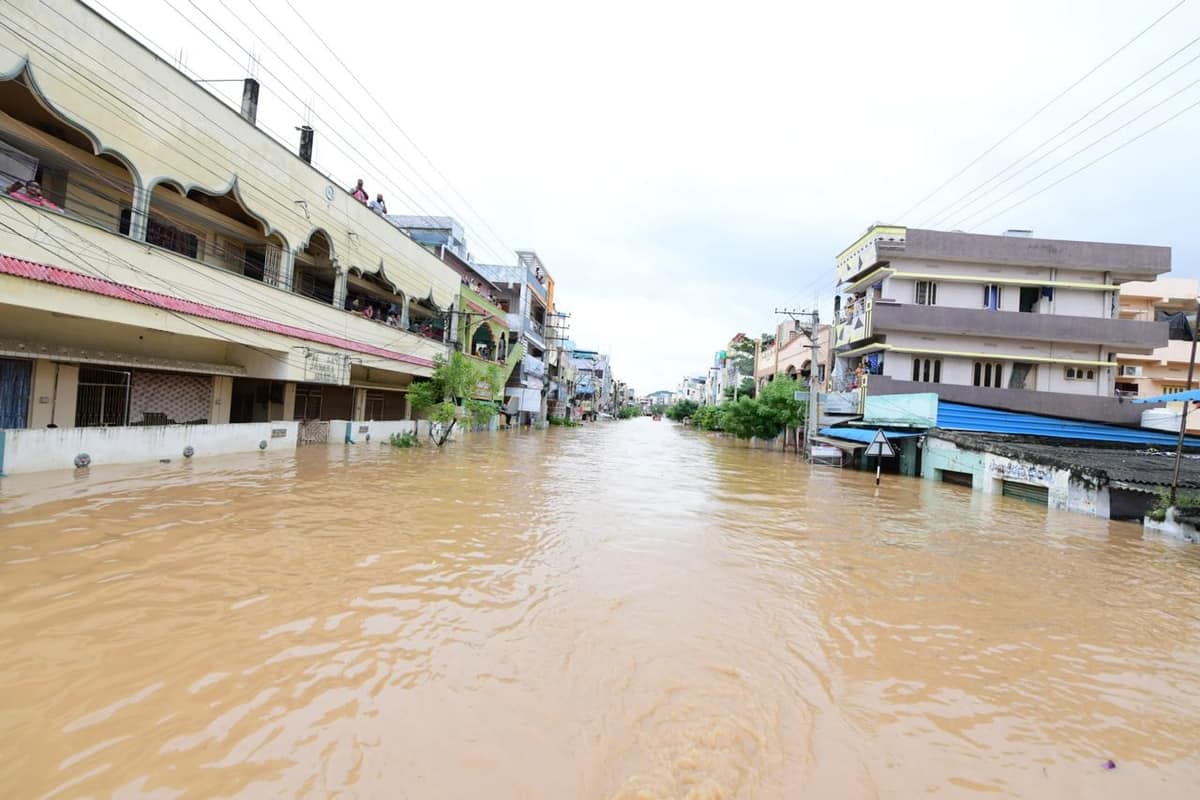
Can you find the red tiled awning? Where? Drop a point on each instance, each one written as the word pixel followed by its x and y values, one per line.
pixel 85 283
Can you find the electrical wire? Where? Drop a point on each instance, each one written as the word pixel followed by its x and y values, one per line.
pixel 959 207
pixel 1082 150
pixel 1096 160
pixel 1042 109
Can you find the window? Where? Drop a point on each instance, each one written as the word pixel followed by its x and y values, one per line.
pixel 1172 389
pixel 164 234
pixel 989 374
pixel 1080 374
pixel 1023 375
pixel 927 370
pixel 991 296
pixel 925 293
pixel 1030 295
pixel 102 398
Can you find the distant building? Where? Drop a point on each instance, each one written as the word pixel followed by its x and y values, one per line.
pixel 1165 370
pixel 790 353
pixel 1008 321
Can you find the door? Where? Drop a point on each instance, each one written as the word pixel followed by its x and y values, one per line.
pixel 1027 492
pixel 14 392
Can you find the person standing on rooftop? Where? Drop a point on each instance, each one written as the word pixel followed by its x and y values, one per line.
pixel 377 205
pixel 359 193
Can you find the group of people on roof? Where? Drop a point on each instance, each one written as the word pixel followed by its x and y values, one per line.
pixel 360 194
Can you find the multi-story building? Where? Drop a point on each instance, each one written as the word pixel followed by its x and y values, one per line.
pixel 1164 371
pixel 527 290
pixel 1009 321
pixel 790 352
pixel 179 264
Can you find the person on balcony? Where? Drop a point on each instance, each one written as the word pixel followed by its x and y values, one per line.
pixel 359 193
pixel 377 205
pixel 32 195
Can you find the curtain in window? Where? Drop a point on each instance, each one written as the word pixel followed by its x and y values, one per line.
pixel 14 392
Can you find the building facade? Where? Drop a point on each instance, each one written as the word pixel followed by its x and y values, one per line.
pixel 1003 321
pixel 790 352
pixel 184 267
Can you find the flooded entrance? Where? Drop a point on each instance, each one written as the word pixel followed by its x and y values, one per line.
pixel 624 610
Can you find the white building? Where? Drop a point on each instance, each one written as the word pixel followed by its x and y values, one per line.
pixel 1007 321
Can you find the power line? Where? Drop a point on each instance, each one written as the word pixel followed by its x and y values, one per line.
pixel 937 218
pixel 395 124
pixel 1039 112
pixel 1081 150
pixel 1089 164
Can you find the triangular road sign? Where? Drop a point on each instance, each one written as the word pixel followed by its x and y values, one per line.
pixel 880 446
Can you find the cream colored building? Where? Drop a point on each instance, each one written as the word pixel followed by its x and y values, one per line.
pixel 194 270
pixel 1163 371
pixel 790 353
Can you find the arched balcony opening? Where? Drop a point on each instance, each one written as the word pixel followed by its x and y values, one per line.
pixel 483 343
pixel 215 228
pixel 315 274
pixel 374 297
pixel 426 319
pixel 49 163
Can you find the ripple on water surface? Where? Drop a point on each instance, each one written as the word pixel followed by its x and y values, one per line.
pixel 625 610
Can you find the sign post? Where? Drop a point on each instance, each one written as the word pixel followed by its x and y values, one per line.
pixel 879 447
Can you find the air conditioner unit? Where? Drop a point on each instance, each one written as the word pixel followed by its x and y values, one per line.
pixel 1131 372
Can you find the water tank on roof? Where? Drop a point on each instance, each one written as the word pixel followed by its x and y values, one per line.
pixel 1161 419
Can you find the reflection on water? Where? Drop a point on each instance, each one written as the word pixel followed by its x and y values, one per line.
pixel 625 610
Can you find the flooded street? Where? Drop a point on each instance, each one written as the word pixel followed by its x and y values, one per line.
pixel 627 610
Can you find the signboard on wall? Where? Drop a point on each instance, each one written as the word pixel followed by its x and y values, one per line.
pixel 324 367
pixel 914 410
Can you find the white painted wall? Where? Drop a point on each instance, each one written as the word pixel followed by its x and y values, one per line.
pixel 38 449
pixel 378 431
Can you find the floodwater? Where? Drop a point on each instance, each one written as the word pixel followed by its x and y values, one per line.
pixel 626 610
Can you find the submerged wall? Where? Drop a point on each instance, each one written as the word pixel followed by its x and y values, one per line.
pixel 39 449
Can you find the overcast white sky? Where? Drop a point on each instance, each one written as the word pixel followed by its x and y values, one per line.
pixel 683 168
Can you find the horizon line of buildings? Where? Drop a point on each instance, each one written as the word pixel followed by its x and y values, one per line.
pixel 165 263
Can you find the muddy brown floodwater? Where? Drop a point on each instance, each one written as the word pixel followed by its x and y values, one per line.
pixel 626 610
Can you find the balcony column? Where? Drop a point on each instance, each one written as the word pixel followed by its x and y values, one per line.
pixel 340 284
pixel 287 269
pixel 404 316
pixel 139 213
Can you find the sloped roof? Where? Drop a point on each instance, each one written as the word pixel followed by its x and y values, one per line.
pixel 85 283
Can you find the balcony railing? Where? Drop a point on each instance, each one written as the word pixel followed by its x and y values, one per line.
pixel 470 295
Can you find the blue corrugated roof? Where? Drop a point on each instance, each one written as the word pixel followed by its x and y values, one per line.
pixel 864 435
pixel 959 417
pixel 1178 397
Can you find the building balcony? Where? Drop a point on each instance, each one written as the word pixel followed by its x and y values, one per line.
pixel 879 318
pixel 241 320
pixel 1176 353
pixel 482 305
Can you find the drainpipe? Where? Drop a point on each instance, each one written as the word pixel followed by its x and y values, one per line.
pixel 1183 419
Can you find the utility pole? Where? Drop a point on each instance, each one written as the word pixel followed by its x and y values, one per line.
pixel 1183 420
pixel 810 419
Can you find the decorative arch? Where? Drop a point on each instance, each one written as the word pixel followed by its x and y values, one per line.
pixel 231 193
pixel 791 371
pixel 483 342
pixel 23 74
pixel 328 242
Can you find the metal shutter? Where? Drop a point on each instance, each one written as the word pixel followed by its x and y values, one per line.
pixel 958 478
pixel 1027 492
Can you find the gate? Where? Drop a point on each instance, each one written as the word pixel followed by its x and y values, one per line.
pixel 313 431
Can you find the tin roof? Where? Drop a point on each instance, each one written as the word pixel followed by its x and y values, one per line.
pixel 67 279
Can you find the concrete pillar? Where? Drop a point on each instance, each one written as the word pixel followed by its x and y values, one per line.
pixel 41 393
pixel 407 406
pixel 339 288
pixel 66 395
pixel 289 400
pixel 404 314
pixel 287 269
pixel 139 214
pixel 359 404
pixel 222 400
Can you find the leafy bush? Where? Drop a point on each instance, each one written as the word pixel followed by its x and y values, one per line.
pixel 404 440
pixel 748 418
pixel 629 412
pixel 563 422
pixel 449 394
pixel 682 410
pixel 1184 501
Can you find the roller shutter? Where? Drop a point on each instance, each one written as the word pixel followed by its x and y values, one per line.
pixel 1027 492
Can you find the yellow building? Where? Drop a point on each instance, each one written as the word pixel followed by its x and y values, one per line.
pixel 184 266
pixel 1165 370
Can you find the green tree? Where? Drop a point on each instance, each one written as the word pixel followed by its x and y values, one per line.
pixel 707 418
pixel 629 412
pixel 449 395
pixel 658 408
pixel 749 418
pixel 682 410
pixel 744 389
pixel 780 396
